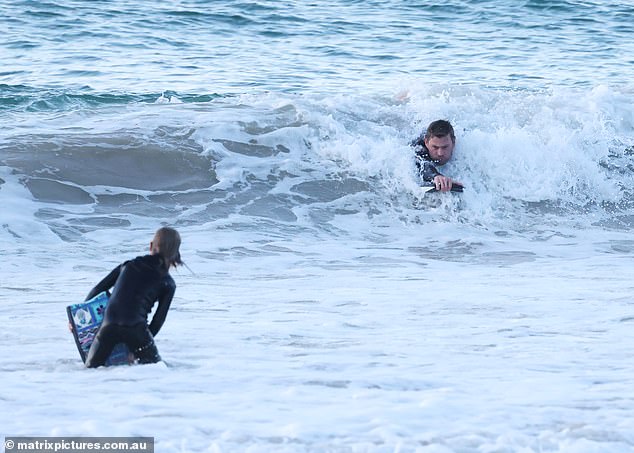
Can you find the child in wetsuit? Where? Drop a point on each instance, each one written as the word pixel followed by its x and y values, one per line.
pixel 136 285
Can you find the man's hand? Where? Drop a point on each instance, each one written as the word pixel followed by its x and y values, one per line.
pixel 443 183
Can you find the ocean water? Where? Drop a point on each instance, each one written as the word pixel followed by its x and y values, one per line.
pixel 331 306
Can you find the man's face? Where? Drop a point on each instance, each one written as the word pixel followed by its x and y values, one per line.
pixel 440 148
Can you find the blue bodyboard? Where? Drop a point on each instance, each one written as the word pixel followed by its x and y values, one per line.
pixel 85 319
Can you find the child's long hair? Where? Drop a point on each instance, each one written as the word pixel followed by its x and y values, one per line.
pixel 167 243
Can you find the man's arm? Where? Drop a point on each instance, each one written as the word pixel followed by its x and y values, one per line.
pixel 429 173
pixel 427 170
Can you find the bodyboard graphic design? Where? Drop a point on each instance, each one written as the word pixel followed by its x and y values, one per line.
pixel 85 319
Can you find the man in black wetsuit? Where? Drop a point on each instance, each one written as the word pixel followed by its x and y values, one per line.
pixel 138 284
pixel 435 147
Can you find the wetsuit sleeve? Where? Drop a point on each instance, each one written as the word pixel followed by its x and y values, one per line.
pixel 427 170
pixel 163 306
pixel 105 284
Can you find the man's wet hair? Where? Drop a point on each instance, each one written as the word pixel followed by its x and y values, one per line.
pixel 440 128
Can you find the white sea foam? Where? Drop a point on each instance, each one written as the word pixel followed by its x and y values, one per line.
pixel 415 343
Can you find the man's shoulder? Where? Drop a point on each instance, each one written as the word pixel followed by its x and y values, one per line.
pixel 422 152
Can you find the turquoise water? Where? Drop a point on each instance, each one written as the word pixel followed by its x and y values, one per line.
pixel 322 46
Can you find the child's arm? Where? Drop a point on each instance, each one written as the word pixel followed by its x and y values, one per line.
pixel 105 284
pixel 161 311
